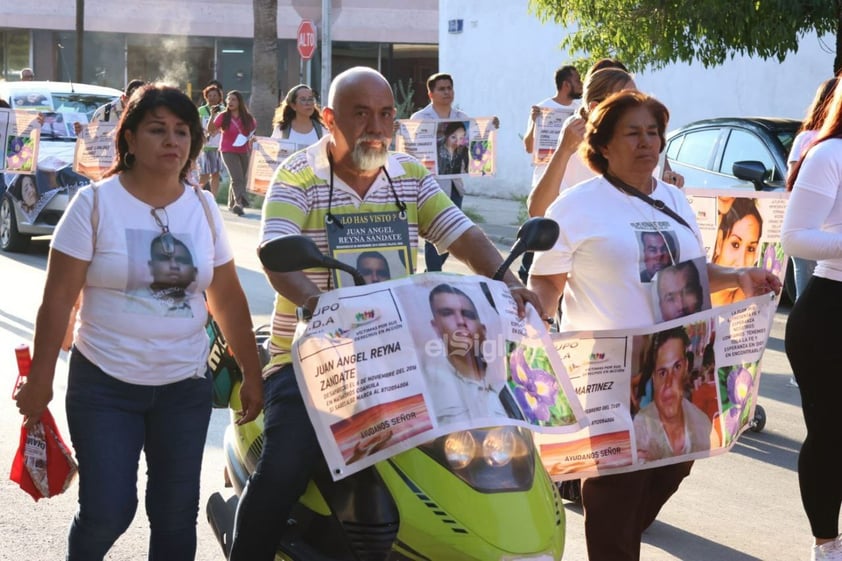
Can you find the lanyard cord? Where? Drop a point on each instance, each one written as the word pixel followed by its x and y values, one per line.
pixel 331 218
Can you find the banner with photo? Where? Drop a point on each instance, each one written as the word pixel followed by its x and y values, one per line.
pixel 548 126
pixel 740 228
pixel 451 148
pixel 388 366
pixel 19 134
pixel 266 155
pixel 678 391
pixel 95 150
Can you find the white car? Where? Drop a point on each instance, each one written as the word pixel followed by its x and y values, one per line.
pixel 32 204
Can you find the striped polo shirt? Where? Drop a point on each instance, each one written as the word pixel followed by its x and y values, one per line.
pixel 297 203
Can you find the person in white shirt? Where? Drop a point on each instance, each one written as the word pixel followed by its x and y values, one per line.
pixel 298 117
pixel 568 85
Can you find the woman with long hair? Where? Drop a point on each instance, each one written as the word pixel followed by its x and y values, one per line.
pixel 453 149
pixel 737 242
pixel 812 229
pixel 298 118
pixel 238 126
pixel 813 121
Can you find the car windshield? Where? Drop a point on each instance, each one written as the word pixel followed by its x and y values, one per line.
pixel 786 138
pixel 61 110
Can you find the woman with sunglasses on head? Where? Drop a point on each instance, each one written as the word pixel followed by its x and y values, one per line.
pixel 298 118
pixel 138 377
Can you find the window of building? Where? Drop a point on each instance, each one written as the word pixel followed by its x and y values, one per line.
pixel 15 49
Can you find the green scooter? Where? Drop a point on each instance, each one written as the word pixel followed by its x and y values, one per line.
pixel 448 499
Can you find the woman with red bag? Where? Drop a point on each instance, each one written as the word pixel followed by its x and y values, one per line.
pixel 142 246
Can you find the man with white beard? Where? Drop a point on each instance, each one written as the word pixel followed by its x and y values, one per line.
pixel 326 191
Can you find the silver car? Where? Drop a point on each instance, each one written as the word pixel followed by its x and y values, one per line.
pixel 32 204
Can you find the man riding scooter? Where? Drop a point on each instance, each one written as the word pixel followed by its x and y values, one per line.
pixel 339 182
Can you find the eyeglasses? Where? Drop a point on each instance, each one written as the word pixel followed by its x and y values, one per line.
pixel 306 100
pixel 166 239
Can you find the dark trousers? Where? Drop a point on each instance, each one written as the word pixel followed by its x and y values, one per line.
pixel 618 508
pixel 432 259
pixel 110 422
pixel 290 457
pixel 813 348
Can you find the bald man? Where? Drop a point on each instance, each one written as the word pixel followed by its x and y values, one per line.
pixel 338 181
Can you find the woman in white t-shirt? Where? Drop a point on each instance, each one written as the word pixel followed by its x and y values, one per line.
pixel 142 246
pixel 298 118
pixel 803 268
pixel 812 229
pixel 598 262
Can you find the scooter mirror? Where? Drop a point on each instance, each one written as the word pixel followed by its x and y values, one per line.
pixel 286 254
pixel 536 234
pixel 290 253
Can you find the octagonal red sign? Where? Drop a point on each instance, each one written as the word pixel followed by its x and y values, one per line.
pixel 306 39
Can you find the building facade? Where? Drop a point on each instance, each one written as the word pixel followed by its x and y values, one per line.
pixel 189 42
pixel 503 60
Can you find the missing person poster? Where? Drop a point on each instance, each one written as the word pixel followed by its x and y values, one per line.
pixel 548 126
pixel 19 135
pixel 678 391
pixel 741 228
pixel 95 150
pixel 388 366
pixel 451 148
pixel 266 155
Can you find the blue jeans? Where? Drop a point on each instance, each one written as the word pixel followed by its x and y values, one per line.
pixel 290 457
pixel 110 423
pixel 432 259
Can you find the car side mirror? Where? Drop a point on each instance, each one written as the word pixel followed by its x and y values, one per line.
pixel 751 170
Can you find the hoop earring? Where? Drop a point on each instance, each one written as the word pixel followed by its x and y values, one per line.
pixel 128 160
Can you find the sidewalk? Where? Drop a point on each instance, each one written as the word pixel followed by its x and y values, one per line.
pixel 498 217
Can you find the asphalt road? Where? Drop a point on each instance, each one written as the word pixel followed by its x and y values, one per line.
pixel 737 507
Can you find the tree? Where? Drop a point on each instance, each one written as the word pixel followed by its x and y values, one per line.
pixel 264 77
pixel 654 33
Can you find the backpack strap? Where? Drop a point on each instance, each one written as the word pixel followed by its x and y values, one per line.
pixel 207 210
pixel 94 215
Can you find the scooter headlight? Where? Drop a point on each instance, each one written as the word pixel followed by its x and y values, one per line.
pixel 460 449
pixel 500 445
pixel 494 459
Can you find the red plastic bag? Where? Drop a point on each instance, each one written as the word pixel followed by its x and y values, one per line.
pixel 43 465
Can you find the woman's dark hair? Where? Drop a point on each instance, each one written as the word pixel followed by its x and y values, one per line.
pixel 149 98
pixel 740 208
pixel 452 127
pixel 243 110
pixel 818 117
pixel 284 114
pixel 603 122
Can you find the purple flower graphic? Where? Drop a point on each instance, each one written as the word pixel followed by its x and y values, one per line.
pixel 535 389
pixel 732 421
pixel 739 387
pixel 770 260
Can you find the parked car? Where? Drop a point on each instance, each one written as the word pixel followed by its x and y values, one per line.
pixel 739 153
pixel 32 204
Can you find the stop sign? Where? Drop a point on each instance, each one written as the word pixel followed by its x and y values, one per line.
pixel 306 39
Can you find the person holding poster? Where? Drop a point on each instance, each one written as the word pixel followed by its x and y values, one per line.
pixel 459 388
pixel 568 91
pixel 812 229
pixel 670 425
pixel 596 265
pixel 440 92
pixel 338 184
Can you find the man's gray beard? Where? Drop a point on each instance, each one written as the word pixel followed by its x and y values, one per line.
pixel 368 160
